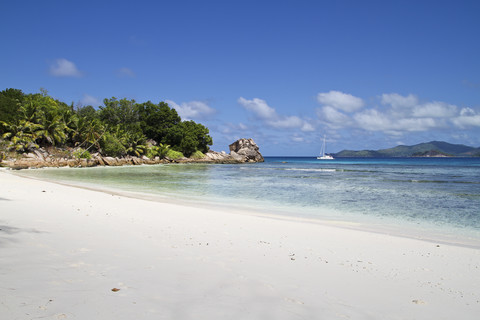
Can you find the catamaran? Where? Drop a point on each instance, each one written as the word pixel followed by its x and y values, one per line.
pixel 322 155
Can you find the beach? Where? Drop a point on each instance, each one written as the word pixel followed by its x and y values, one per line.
pixel 74 253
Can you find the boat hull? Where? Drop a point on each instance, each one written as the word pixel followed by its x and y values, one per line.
pixel 326 157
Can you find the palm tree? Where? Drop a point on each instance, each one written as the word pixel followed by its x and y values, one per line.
pixel 134 142
pixel 69 118
pixel 87 132
pixel 53 129
pixel 22 135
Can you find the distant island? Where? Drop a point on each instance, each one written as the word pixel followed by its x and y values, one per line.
pixel 427 149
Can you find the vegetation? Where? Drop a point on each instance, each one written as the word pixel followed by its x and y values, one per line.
pixel 172 154
pixel 431 153
pixel 82 154
pixel 198 155
pixel 118 128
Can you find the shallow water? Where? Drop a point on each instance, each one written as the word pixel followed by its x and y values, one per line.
pixel 441 194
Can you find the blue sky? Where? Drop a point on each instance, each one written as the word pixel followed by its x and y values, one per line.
pixel 368 74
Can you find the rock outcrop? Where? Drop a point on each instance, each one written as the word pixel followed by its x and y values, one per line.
pixel 246 150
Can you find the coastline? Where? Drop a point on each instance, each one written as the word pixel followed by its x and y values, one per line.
pixel 65 248
pixel 424 231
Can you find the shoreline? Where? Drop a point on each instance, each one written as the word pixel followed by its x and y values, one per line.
pixel 65 248
pixel 427 231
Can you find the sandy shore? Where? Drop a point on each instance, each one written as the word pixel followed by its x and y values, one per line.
pixel 64 249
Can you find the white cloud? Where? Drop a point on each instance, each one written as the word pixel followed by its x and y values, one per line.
pixel 339 100
pixel 399 115
pixel 286 122
pixel 435 110
pixel 242 126
pixel 88 100
pixel 259 107
pixel 467 118
pixel 467 112
pixel 126 72
pixel 416 124
pixel 374 120
pixel 298 139
pixel 192 110
pixel 333 117
pixel 64 68
pixel 307 127
pixel 398 101
pixel 271 118
pixel 229 128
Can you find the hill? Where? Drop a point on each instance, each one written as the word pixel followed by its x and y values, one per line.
pixel 427 149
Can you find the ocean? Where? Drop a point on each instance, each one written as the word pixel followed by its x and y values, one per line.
pixel 405 196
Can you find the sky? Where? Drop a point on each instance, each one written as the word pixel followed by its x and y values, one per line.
pixel 366 74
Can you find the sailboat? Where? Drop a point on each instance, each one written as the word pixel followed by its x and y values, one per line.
pixel 322 155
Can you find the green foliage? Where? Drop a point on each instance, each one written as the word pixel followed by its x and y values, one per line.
pixel 188 137
pixel 120 127
pixel 53 129
pixel 3 148
pixel 172 154
pixel 158 151
pixel 82 154
pixel 10 101
pixel 21 135
pixel 197 155
pixel 88 113
pixel 134 143
pixel 87 132
pixel 157 120
pixel 111 146
pixel 120 113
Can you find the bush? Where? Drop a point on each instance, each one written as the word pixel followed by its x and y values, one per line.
pixel 172 154
pixel 161 151
pixel 197 155
pixel 82 154
pixel 111 146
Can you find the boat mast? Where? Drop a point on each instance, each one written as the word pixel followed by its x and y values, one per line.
pixel 323 147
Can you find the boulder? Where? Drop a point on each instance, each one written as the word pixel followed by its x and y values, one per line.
pixel 245 150
pixel 73 162
pixel 137 161
pixel 215 156
pixel 109 161
pixel 99 160
pixel 39 155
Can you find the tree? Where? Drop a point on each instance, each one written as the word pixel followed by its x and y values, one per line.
pixel 120 112
pixel 111 146
pixel 120 127
pixel 53 130
pixel 10 101
pixel 156 120
pixel 87 112
pixel 87 132
pixel 189 137
pixel 22 134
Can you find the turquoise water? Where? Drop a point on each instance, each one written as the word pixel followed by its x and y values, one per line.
pixel 441 193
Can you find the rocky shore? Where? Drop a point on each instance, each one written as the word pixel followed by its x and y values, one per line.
pixel 241 151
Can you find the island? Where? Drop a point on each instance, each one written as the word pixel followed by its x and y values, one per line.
pixel 427 149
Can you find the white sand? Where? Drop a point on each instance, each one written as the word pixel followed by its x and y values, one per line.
pixel 62 250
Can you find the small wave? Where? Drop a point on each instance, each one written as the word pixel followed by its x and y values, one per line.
pixel 429 181
pixel 314 170
pixel 468 196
